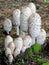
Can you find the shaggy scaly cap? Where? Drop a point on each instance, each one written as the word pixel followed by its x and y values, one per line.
pixel 25 13
pixel 32 7
pixel 42 37
pixel 27 41
pixel 8 51
pixel 18 43
pixel 8 40
pixel 11 46
pixel 34 24
pixel 16 52
pixel 16 17
pixel 7 25
pixel 10 58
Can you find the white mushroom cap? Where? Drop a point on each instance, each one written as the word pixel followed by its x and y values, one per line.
pixel 34 24
pixel 32 7
pixel 18 43
pixel 27 41
pixel 9 54
pixel 7 25
pixel 8 40
pixel 34 31
pixel 16 52
pixel 42 37
pixel 35 19
pixel 10 58
pixel 8 51
pixel 25 13
pixel 11 46
pixel 16 17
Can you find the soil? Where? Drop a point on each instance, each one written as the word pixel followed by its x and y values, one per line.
pixel 6 10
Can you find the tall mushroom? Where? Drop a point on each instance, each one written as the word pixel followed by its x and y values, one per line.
pixel 18 45
pixel 41 37
pixel 7 25
pixel 34 25
pixel 32 7
pixel 25 13
pixel 16 20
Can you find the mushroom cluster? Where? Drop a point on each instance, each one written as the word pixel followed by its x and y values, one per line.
pixel 27 23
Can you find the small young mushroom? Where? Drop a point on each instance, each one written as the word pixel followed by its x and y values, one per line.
pixel 18 43
pixel 27 43
pixel 16 20
pixel 9 55
pixel 7 25
pixel 25 13
pixel 10 58
pixel 42 37
pixel 11 46
pixel 32 7
pixel 7 51
pixel 16 52
pixel 34 25
pixel 8 40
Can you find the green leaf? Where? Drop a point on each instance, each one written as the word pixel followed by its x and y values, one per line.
pixel 13 4
pixel 47 63
pixel 36 48
pixel 30 52
pixel 22 61
pixel 41 60
pixel 46 1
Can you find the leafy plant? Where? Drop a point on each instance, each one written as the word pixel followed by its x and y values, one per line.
pixel 46 1
pixel 13 4
pixel 21 62
pixel 47 63
pixel 30 52
pixel 1 52
pixel 41 60
pixel 36 48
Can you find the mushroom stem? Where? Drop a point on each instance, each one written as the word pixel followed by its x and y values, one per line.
pixel 7 32
pixel 17 30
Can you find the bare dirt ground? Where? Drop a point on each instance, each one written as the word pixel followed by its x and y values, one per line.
pixel 6 10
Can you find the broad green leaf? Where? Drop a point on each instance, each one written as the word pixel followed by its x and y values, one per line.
pixel 47 63
pixel 30 52
pixel 41 60
pixel 46 1
pixel 13 4
pixel 36 48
